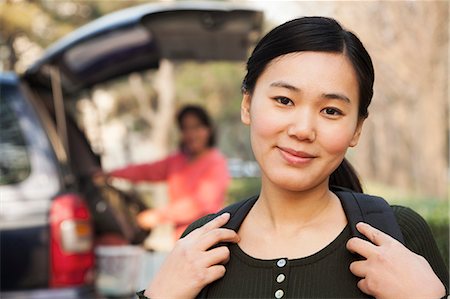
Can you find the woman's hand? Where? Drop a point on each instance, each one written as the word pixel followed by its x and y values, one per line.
pixel 192 264
pixel 149 218
pixel 390 270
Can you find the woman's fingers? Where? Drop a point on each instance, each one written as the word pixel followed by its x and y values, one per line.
pixel 390 270
pixel 359 268
pixel 376 236
pixel 214 272
pixel 216 236
pixel 217 222
pixel 362 247
pixel 212 233
pixel 363 286
pixel 215 256
pixel 365 248
pixel 192 264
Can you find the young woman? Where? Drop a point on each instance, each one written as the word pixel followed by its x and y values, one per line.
pixel 305 97
pixel 197 175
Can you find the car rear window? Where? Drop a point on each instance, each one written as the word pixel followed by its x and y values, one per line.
pixel 14 161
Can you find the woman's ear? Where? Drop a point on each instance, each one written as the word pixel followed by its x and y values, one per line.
pixel 357 133
pixel 245 108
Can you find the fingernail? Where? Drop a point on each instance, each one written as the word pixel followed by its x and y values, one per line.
pixel 361 225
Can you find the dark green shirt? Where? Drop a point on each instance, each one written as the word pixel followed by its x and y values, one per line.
pixel 324 274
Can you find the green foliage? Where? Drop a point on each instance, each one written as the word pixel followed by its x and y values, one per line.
pixel 440 231
pixel 32 20
pixel 242 188
pixel 435 212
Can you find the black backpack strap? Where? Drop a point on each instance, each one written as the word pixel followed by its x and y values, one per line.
pixel 373 210
pixel 237 211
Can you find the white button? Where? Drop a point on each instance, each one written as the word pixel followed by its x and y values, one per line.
pixel 279 294
pixel 281 263
pixel 280 278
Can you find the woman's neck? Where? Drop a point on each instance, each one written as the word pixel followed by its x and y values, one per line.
pixel 300 223
pixel 296 209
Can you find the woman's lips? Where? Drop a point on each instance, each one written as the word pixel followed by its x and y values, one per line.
pixel 296 157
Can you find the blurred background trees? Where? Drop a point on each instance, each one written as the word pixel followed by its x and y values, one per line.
pixel 408 125
pixel 27 27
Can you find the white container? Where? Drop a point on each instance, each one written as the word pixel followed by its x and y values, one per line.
pixel 118 269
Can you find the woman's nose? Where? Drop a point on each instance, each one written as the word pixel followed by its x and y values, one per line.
pixel 302 126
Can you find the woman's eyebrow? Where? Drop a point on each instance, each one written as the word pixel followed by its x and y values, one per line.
pixel 336 96
pixel 284 84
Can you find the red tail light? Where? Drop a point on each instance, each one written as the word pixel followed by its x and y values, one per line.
pixel 71 242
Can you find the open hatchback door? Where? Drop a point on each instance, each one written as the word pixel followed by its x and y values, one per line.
pixel 137 38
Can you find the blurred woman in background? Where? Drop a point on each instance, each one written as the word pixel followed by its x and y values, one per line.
pixel 197 175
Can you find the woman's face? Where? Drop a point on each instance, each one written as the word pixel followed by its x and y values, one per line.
pixel 194 135
pixel 303 115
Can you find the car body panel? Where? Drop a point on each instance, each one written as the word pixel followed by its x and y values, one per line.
pixel 25 203
pixel 24 254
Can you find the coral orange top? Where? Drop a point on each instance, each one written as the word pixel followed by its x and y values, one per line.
pixel 196 187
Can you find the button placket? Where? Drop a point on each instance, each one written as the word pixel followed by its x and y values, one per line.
pixel 280 278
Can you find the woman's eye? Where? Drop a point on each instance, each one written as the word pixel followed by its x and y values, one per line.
pixel 283 100
pixel 332 111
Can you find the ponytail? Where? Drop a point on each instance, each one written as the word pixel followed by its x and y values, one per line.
pixel 345 176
